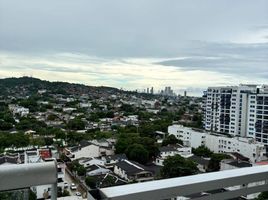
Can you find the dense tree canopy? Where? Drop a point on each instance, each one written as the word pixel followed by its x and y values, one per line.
pixel 6 118
pixel 171 140
pixel 175 166
pixel 203 151
pixel 127 139
pixel 27 123
pixel 76 124
pixel 214 163
pixel 138 153
pixel 13 140
pixel 76 167
pixel 91 182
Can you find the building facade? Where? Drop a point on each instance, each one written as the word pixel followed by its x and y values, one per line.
pixel 237 110
pixel 219 143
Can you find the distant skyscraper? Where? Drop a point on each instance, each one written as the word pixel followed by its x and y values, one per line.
pixel 152 90
pixel 185 93
pixel 147 90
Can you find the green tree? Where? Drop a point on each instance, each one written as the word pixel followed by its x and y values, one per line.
pixel 81 171
pixel 125 140
pixel 38 141
pixel 121 145
pixel 76 124
pixel 214 162
pixel 262 196
pixel 32 195
pixel 74 166
pixel 137 153
pixel 48 141
pixel 66 193
pixel 30 123
pixel 91 182
pixel 4 126
pixel 175 166
pixel 13 140
pixel 59 134
pixel 127 108
pixel 52 117
pixel 171 139
pixel 203 151
pixel 74 138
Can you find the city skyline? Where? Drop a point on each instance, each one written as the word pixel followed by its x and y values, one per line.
pixel 156 43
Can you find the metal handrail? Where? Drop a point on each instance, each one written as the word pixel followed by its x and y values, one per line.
pixel 187 185
pixel 21 176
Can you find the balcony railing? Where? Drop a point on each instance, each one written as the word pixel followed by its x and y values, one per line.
pixel 13 177
pixel 251 180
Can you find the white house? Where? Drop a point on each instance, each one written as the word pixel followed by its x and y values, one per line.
pixel 88 150
pixel 219 143
pixel 132 171
pixel 95 170
pixel 78 152
pixel 91 161
pixel 113 159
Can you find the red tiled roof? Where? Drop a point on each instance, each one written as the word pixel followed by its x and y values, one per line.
pixel 45 153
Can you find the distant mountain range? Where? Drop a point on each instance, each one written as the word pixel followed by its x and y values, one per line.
pixel 28 85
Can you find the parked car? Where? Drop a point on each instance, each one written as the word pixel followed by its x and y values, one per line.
pixel 73 186
pixel 66 185
pixel 78 194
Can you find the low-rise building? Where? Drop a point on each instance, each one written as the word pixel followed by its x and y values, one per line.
pixel 132 171
pixel 219 143
pixel 95 170
pixel 86 149
pixel 113 159
pixel 91 161
pixel 166 151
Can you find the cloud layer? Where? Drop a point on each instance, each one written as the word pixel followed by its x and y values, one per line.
pixel 185 44
pixel 127 73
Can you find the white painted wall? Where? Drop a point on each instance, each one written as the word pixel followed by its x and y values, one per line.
pixel 248 147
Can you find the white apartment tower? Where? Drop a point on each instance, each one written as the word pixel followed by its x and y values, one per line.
pixel 237 110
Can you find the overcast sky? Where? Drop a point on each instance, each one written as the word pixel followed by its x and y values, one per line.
pixel 134 44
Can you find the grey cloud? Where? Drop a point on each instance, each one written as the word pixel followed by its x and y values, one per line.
pixel 205 32
pixel 151 28
pixel 226 58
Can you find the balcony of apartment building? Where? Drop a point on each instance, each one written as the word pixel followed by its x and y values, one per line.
pixel 229 184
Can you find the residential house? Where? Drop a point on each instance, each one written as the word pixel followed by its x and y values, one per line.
pixel 202 163
pixel 91 161
pixel 86 149
pixel 95 170
pixel 132 171
pixel 113 159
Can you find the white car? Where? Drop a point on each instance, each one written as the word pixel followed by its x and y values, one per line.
pixel 78 194
pixel 73 186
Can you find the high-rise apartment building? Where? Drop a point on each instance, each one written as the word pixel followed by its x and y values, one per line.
pixel 237 110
